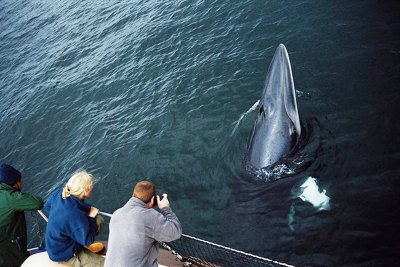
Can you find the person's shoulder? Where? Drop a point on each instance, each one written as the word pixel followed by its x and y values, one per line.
pixel 154 213
pixel 56 193
pixel 68 212
pixel 51 198
pixel 24 201
pixel 118 213
pixel 19 194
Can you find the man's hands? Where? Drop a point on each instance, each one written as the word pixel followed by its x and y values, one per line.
pixel 164 202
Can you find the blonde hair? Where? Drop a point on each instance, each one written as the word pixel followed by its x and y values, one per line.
pixel 77 184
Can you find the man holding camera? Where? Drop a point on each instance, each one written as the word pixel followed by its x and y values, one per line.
pixel 136 227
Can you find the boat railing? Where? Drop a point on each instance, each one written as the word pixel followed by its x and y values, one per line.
pixel 192 251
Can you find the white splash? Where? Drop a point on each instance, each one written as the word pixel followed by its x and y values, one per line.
pixel 312 194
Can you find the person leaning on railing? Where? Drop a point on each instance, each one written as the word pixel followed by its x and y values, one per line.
pixel 135 228
pixel 73 223
pixel 13 203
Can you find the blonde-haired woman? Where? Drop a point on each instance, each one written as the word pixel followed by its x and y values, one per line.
pixel 72 223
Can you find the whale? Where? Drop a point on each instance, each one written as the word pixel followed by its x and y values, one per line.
pixel 277 129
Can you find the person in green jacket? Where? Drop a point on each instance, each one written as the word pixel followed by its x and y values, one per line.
pixel 13 203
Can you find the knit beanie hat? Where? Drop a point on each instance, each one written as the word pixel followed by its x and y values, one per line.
pixel 9 175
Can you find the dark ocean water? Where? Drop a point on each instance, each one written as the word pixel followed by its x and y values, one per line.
pixel 163 89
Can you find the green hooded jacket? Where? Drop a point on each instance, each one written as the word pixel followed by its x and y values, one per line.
pixel 13 234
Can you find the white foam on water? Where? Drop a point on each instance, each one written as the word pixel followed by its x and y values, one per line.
pixel 312 194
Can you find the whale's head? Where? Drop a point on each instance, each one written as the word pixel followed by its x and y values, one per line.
pixel 277 126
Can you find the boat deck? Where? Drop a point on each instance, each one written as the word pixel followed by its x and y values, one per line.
pixel 165 259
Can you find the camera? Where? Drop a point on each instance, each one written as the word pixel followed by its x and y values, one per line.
pixel 155 200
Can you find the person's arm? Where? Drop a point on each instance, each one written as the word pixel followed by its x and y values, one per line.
pixel 85 231
pixel 23 201
pixel 167 227
pixel 47 206
pixel 50 199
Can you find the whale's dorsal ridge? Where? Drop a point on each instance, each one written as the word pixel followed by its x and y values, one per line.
pixel 272 136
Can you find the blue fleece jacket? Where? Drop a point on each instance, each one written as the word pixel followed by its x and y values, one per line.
pixel 69 227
